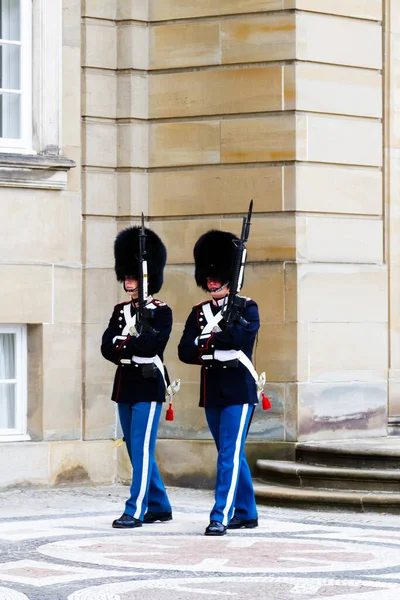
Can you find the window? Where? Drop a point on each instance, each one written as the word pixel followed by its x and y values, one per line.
pixel 15 75
pixel 13 382
pixel 31 38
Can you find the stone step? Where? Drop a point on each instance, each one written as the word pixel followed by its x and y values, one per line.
pixel 379 453
pixel 280 495
pixel 326 477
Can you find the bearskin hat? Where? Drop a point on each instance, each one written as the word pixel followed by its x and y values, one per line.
pixel 214 255
pixel 126 252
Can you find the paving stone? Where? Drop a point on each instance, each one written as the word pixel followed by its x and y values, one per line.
pixel 58 544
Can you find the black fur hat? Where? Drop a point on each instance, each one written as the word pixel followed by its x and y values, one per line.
pixel 214 255
pixel 126 252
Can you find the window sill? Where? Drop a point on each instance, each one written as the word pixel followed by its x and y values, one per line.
pixel 34 171
pixel 15 437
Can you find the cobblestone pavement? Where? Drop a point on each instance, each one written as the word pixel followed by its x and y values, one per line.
pixel 58 544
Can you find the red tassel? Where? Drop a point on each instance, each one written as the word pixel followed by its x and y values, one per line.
pixel 169 415
pixel 266 404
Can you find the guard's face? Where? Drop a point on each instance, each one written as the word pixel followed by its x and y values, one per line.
pixel 132 287
pixel 216 288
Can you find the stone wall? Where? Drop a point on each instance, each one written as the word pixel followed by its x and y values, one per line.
pixel 41 271
pixel 192 109
pixel 392 199
pixel 186 110
pixel 340 276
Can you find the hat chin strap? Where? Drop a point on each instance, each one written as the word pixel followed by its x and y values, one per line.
pixel 130 291
pixel 224 285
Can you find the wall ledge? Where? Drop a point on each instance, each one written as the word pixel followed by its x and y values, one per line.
pixel 43 171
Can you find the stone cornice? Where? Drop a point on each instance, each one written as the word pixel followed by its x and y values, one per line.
pixel 34 171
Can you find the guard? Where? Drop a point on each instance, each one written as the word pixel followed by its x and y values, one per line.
pixel 223 346
pixel 135 341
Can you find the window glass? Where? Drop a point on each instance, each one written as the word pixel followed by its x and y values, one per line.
pixel 10 20
pixel 15 73
pixel 10 71
pixel 7 406
pixel 10 125
pixel 7 380
pixel 7 356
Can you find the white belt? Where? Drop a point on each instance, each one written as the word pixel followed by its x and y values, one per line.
pixel 225 355
pixel 143 360
pixel 146 360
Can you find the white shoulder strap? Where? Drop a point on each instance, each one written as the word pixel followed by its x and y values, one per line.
pixel 129 320
pixel 158 362
pixel 211 320
pixel 247 363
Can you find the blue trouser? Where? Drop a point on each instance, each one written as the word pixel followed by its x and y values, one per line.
pixel 234 493
pixel 139 424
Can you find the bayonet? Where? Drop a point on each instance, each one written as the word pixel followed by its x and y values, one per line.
pixel 235 304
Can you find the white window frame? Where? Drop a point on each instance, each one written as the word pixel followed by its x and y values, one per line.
pixel 21 396
pixel 23 145
pixel 42 70
pixel 47 76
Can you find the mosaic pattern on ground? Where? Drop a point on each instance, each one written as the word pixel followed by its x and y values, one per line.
pixel 48 554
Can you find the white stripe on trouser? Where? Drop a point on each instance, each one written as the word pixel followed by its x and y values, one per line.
pixel 145 463
pixel 236 465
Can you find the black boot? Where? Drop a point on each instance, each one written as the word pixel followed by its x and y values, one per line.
pixel 152 517
pixel 126 522
pixel 215 528
pixel 237 523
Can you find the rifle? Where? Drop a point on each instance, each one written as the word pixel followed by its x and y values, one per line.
pixel 235 305
pixel 144 314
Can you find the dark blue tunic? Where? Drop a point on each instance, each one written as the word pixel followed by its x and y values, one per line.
pixel 129 384
pixel 222 385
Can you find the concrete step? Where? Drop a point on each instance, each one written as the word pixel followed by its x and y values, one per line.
pixel 280 495
pixel 379 453
pixel 326 477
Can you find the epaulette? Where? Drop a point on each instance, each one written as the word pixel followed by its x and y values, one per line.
pixel 123 303
pixel 159 303
pixel 201 303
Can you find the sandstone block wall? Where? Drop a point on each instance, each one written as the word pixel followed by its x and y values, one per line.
pixel 186 110
pixel 218 103
pixel 392 199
